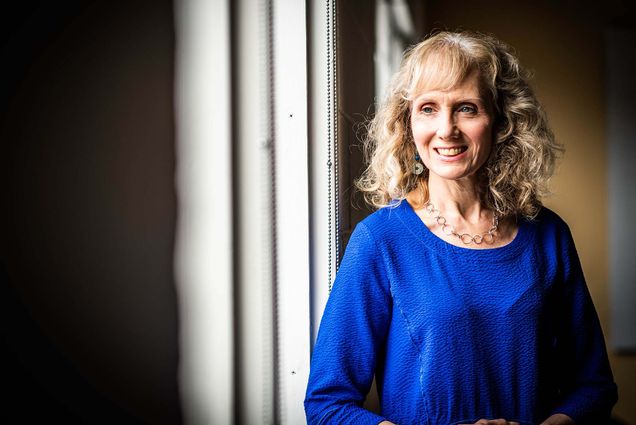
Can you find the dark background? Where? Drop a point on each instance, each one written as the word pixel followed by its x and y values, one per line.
pixel 89 306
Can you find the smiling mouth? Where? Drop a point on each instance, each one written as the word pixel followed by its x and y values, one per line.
pixel 451 151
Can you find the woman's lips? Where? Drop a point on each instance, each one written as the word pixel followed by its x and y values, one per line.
pixel 451 152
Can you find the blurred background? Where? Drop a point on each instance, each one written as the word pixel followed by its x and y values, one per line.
pixel 135 280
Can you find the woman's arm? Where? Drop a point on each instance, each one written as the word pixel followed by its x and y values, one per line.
pixel 586 382
pixel 352 331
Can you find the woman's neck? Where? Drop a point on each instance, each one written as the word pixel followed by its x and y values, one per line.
pixel 460 199
pixel 459 204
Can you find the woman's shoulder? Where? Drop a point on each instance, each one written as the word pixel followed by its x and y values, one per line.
pixel 549 224
pixel 385 220
pixel 383 233
pixel 548 216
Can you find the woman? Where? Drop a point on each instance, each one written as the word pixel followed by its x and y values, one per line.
pixel 461 294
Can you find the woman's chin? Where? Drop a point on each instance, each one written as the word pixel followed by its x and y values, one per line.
pixel 451 175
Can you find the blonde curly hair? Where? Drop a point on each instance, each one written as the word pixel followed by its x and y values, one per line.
pixel 524 151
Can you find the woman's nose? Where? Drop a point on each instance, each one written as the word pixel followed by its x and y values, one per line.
pixel 446 126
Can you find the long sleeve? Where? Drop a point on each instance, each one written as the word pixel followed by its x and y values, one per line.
pixel 351 335
pixel 588 391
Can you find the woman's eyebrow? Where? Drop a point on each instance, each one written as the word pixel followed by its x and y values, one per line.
pixel 470 99
pixel 437 99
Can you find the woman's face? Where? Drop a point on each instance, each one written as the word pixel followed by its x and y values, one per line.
pixel 452 129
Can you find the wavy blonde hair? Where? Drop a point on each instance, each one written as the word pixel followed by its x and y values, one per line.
pixel 522 159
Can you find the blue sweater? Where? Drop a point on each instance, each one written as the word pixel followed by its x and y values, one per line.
pixel 455 334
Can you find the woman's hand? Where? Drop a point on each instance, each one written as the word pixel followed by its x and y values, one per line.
pixel 558 419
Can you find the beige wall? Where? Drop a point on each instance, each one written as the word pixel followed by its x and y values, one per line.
pixel 564 48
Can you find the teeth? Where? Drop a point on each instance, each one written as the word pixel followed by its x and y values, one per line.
pixel 449 151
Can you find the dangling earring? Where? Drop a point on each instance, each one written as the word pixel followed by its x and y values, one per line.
pixel 418 167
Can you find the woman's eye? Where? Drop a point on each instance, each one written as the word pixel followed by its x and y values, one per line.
pixel 467 109
pixel 427 109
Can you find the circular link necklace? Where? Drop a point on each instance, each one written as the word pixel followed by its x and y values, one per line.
pixel 449 230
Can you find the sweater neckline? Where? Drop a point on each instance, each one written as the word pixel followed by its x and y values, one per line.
pixel 416 226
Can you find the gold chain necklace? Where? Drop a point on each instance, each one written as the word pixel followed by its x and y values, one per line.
pixel 449 230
